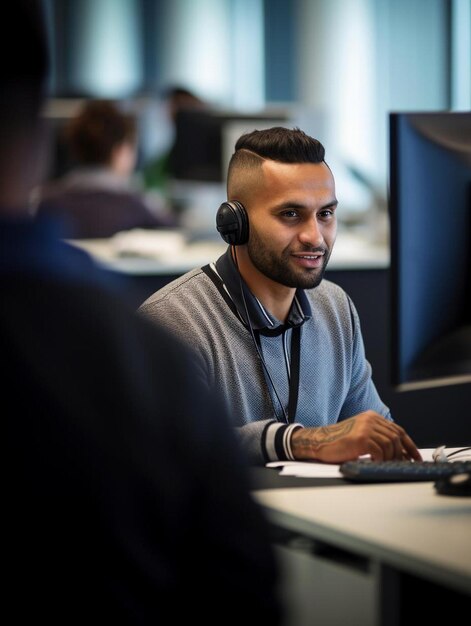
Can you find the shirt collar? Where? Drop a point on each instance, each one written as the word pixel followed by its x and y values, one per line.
pixel 260 318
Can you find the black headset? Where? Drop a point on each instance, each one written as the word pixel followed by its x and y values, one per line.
pixel 232 223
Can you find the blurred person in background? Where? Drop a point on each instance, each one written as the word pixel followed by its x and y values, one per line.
pixel 97 198
pixel 159 170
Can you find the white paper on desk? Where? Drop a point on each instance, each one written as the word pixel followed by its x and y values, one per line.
pixel 148 243
pixel 307 469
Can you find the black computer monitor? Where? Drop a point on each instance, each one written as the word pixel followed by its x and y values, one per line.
pixel 430 217
pixel 204 138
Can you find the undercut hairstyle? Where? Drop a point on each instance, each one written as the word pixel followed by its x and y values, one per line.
pixel 98 128
pixel 275 144
pixel 282 144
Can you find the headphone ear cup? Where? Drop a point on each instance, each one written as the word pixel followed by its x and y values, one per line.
pixel 232 223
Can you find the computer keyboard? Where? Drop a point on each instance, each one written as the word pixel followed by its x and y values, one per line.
pixel 401 471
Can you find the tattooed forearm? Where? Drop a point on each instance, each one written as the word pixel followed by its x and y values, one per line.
pixel 326 434
pixel 312 439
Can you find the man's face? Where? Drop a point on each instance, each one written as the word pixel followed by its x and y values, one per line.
pixel 292 223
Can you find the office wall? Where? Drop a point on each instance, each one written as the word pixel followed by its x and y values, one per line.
pixel 286 50
pixel 359 59
pixel 96 47
pixel 117 48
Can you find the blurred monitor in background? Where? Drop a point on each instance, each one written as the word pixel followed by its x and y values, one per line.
pixel 205 140
pixel 430 212
pixel 158 169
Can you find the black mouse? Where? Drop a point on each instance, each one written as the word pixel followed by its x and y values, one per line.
pixel 458 484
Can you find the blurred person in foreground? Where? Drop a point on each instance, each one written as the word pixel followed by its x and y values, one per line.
pixel 125 495
pixel 97 197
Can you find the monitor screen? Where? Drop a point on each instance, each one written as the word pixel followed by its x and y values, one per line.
pixel 430 217
pixel 204 140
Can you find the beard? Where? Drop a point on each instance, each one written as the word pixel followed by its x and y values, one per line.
pixel 277 266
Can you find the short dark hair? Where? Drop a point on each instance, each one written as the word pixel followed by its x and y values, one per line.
pixel 97 129
pixel 282 144
pixel 275 144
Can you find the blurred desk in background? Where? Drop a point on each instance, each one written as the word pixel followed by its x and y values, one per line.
pixel 164 261
pixel 169 254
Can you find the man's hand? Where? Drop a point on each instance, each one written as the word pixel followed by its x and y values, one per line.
pixel 365 433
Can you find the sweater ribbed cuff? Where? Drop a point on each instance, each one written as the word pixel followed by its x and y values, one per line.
pixel 277 441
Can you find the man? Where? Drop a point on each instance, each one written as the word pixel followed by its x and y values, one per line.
pixel 283 344
pixel 124 496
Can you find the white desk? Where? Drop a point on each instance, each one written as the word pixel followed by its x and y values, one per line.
pixel 175 261
pixel 363 554
pixel 350 252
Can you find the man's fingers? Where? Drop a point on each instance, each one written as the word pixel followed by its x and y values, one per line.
pixel 376 451
pixel 394 442
pixel 410 448
pixel 404 446
pixel 398 448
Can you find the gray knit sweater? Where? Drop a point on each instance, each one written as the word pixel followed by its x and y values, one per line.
pixel 334 380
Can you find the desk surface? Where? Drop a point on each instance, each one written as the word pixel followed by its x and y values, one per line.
pixel 350 252
pixel 407 526
pixel 270 478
